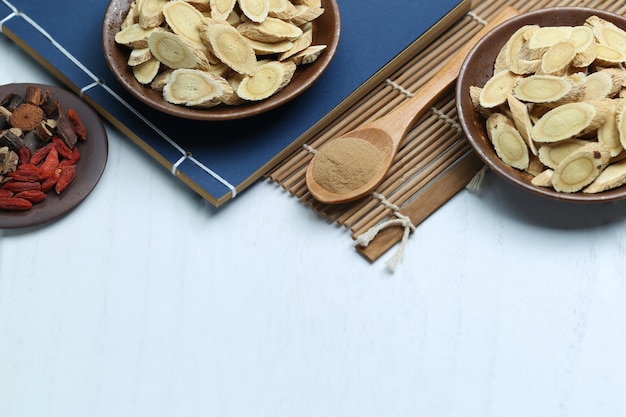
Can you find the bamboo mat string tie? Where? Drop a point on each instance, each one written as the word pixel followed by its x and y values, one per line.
pixel 398 87
pixel 365 238
pixel 477 18
pixel 441 115
pixel 445 118
pixel 477 180
pixel 309 149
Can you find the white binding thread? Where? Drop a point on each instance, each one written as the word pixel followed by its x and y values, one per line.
pixel 89 87
pixel 365 238
pixel 96 82
pixel 477 18
pixel 176 164
pixel 6 19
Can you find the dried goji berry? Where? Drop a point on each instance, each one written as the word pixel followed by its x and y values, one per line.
pixel 28 168
pixel 77 124
pixel 50 164
pixel 68 174
pixel 75 156
pixel 23 155
pixel 6 193
pixel 63 150
pixel 71 161
pixel 17 186
pixel 34 196
pixel 24 175
pixel 41 154
pixel 49 182
pixel 14 203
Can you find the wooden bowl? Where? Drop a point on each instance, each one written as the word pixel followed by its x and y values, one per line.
pixel 478 68
pixel 326 31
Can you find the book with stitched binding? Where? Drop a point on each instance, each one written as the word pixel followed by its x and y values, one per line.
pixel 220 159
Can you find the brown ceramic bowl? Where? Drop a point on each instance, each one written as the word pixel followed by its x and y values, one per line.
pixel 326 31
pixel 478 68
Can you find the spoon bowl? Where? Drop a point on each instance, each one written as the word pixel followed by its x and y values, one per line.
pixel 388 132
pixel 381 148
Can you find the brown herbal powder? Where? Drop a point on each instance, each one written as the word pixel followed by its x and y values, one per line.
pixel 345 164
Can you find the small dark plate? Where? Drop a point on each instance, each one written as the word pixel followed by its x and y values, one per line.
pixel 478 68
pixel 89 168
pixel 326 32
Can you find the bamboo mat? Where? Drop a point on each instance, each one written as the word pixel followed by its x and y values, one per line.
pixel 435 161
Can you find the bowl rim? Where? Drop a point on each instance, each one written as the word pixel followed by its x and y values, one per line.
pixel 472 129
pixel 117 8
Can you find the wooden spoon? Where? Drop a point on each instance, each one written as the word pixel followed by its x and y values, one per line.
pixel 387 132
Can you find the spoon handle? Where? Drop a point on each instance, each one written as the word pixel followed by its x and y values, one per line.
pixel 401 119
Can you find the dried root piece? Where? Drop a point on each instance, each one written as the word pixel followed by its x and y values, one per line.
pixel 544 38
pixel 608 133
pixel 298 45
pixel 184 19
pixel 270 30
pixel 570 120
pixel 269 78
pixel 543 179
pixel 234 79
pixel 159 82
pixel 585 45
pixel 496 90
pixel 620 119
pixel 132 16
pixel 521 119
pixel 608 33
pixel 196 88
pixel 255 10
pixel 609 56
pixel 309 55
pixel 511 49
pixel 612 176
pixel 151 13
pixel 269 48
pixel 139 56
pixel 147 71
pixel 580 168
pixel 507 141
pixel 221 9
pixel 558 58
pixel 603 84
pixel 304 14
pixel 134 36
pixel 310 3
pixel 204 6
pixel 548 89
pixel 229 46
pixel 174 52
pixel 552 154
pixel 278 5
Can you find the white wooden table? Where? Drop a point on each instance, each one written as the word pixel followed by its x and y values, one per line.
pixel 146 301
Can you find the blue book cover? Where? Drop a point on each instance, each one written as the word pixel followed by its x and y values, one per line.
pixel 219 159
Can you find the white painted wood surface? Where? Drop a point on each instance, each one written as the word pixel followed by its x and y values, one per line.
pixel 146 301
